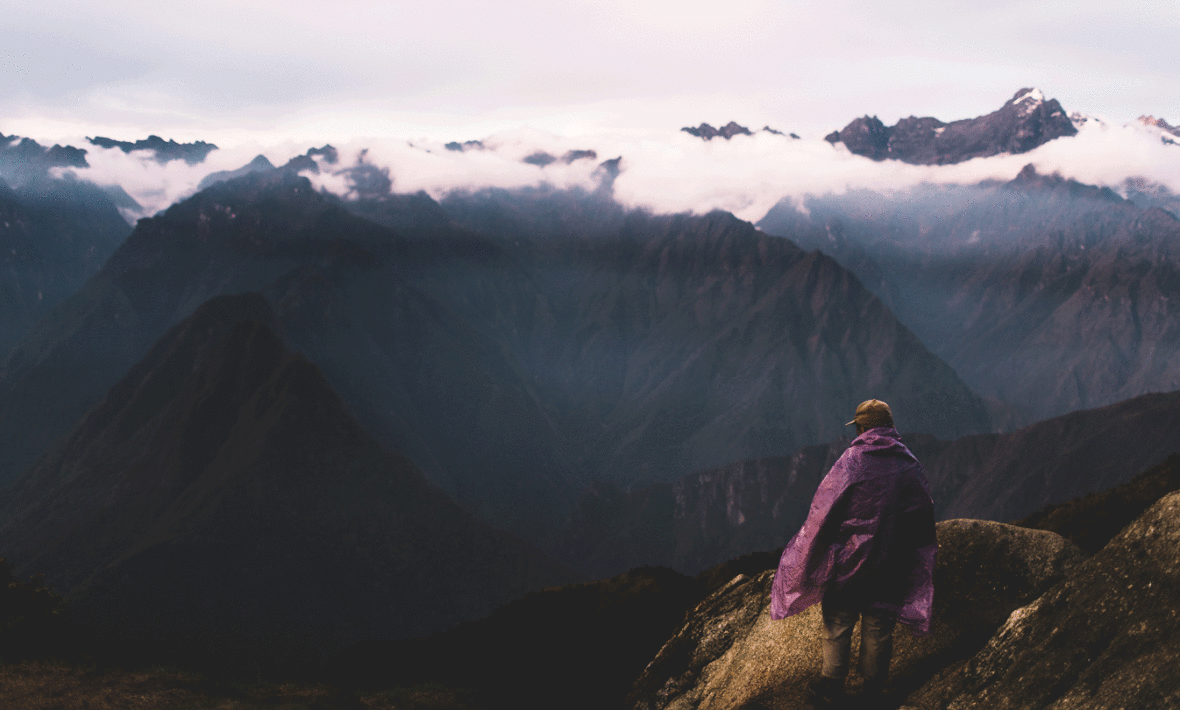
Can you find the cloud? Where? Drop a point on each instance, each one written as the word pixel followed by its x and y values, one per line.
pixel 668 171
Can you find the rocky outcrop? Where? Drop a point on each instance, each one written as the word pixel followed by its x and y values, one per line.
pixel 706 132
pixel 1161 124
pixel 1026 121
pixel 730 654
pixel 1105 638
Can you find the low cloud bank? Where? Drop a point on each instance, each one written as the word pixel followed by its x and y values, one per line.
pixel 667 172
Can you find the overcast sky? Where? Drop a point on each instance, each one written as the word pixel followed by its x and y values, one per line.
pixel 457 69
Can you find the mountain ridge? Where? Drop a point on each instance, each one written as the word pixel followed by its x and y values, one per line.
pixel 1025 121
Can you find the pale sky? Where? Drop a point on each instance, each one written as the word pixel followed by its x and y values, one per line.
pixel 459 69
pixel 394 81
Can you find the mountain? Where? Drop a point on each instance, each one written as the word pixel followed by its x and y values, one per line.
pixel 1024 122
pixel 515 346
pixel 701 520
pixel 1094 519
pixel 54 235
pixel 221 505
pixel 1041 292
pixel 756 505
pixel 707 132
pixel 417 375
pixel 24 159
pixel 164 151
pixel 258 164
pixel 1008 476
pixel 684 342
pixel 1164 127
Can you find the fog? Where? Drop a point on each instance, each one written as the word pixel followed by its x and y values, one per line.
pixel 668 171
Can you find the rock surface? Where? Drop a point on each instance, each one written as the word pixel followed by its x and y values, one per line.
pixel 730 654
pixel 1108 637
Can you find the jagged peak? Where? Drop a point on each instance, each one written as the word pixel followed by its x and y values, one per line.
pixel 1031 95
pixel 1159 123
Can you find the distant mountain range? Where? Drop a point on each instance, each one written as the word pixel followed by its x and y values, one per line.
pixel 164 151
pixel 1026 121
pixel 513 359
pixel 711 516
pixel 1041 292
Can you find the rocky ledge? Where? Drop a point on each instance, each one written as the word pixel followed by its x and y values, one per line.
pixel 730 654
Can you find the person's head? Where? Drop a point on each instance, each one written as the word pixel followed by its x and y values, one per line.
pixel 870 414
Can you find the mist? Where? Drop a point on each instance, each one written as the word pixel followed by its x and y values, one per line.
pixel 664 172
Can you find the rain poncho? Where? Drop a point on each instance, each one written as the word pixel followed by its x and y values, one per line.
pixel 868 540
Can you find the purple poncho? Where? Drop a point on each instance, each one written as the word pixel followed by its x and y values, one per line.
pixel 868 539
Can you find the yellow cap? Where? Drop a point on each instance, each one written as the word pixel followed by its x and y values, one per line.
pixel 872 413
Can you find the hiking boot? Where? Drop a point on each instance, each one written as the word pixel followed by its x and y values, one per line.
pixel 826 692
pixel 872 695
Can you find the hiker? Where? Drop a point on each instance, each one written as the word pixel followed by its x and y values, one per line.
pixel 865 551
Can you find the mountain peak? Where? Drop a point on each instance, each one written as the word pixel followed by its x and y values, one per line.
pixel 1032 96
pixel 1026 121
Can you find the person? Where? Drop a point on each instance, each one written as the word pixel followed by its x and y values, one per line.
pixel 866 551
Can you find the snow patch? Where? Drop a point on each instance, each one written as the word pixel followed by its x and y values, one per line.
pixel 1034 94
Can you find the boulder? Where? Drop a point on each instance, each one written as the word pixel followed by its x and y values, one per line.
pixel 730 654
pixel 1108 637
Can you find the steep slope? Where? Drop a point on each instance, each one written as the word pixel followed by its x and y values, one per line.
pixel 222 502
pixel 1093 520
pixel 54 235
pixel 1008 476
pixel 687 342
pixel 421 380
pixel 514 346
pixel 1024 122
pixel 1041 292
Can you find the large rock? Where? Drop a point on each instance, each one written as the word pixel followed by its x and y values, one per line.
pixel 1109 637
pixel 730 654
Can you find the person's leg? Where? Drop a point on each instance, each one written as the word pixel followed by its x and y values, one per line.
pixel 837 639
pixel 876 649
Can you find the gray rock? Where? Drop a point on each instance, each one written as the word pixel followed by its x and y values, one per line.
pixel 730 654
pixel 1108 637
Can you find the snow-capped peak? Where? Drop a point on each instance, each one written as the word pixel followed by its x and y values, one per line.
pixel 1034 94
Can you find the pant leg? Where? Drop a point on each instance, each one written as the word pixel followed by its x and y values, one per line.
pixel 876 646
pixel 837 639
